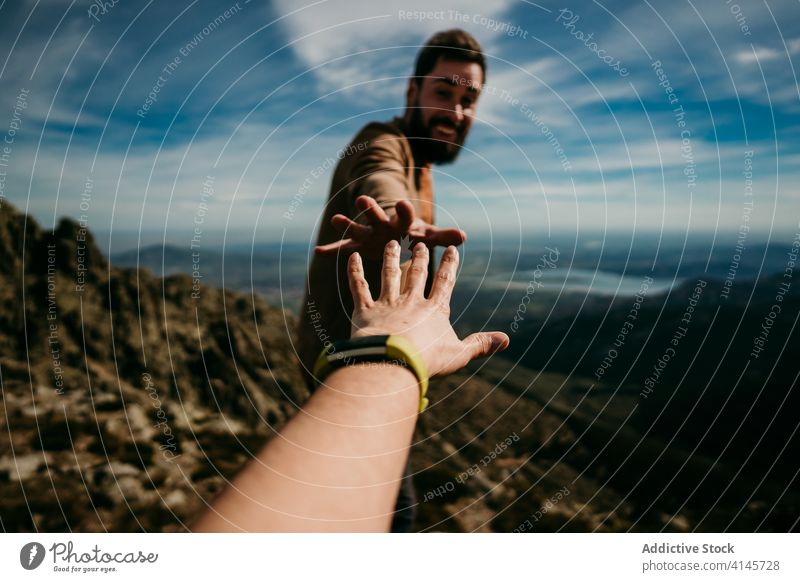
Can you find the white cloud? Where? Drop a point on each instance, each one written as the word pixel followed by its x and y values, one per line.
pixel 330 30
pixel 759 54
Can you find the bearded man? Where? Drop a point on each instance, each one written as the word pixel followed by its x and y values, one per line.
pixel 382 190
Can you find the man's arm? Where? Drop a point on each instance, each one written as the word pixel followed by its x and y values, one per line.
pixel 380 173
pixel 337 464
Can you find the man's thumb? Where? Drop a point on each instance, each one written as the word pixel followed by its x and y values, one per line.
pixel 482 344
pixel 444 237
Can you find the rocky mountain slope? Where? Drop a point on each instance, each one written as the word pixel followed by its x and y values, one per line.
pixel 127 402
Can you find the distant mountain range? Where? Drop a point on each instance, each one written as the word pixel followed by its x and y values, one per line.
pixel 276 272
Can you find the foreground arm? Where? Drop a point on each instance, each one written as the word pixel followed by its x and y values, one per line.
pixel 338 463
pixel 335 467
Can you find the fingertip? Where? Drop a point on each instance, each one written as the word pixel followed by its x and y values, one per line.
pixel 500 342
pixel 340 223
pixel 362 202
pixel 405 211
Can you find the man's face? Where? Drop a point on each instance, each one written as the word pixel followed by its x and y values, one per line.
pixel 442 109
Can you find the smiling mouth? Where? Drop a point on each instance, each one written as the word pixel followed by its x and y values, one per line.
pixel 445 131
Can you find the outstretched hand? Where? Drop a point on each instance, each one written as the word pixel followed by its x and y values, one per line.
pixel 369 239
pixel 406 312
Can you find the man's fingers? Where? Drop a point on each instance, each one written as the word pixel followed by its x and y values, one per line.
pixel 445 278
pixel 417 272
pixel 340 222
pixel 482 344
pixel 358 283
pixel 362 203
pixel 346 226
pixel 436 237
pixel 390 274
pixel 371 210
pixel 405 216
pixel 443 237
pixel 346 245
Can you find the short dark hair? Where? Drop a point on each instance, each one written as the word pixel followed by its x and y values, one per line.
pixel 454 44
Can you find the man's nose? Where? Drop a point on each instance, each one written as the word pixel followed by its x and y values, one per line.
pixel 455 113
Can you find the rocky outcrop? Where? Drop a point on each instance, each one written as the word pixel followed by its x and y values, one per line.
pixel 126 403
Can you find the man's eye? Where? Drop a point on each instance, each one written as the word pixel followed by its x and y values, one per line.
pixel 444 94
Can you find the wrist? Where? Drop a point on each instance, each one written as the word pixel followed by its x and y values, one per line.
pixel 372 397
pixel 374 379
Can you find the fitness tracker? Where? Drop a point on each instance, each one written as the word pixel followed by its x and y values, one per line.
pixel 392 349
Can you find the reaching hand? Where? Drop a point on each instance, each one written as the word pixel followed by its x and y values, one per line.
pixel 406 312
pixel 370 239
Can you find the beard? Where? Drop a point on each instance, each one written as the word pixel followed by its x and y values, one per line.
pixel 427 148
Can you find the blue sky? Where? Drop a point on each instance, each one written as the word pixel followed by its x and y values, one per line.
pixel 258 97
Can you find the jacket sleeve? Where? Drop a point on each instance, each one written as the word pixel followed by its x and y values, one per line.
pixel 380 172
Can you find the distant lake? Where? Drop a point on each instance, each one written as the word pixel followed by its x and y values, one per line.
pixel 577 281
